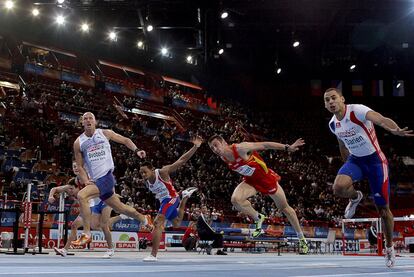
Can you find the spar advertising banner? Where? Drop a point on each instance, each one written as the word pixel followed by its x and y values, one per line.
pixel 122 240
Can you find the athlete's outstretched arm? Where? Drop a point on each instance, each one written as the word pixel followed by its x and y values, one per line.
pixel 167 169
pixel 79 162
pixel 246 147
pixel 57 190
pixel 125 141
pixel 388 124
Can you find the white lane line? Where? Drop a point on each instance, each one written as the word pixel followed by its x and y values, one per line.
pixel 388 272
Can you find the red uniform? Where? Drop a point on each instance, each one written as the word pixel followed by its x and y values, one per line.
pixel 255 172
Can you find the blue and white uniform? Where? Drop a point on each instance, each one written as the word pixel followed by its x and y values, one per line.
pixel 167 195
pixel 98 162
pixel 366 160
pixel 97 205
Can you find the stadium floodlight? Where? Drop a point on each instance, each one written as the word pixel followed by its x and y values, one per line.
pixel 85 27
pixel 9 4
pixel 60 19
pixel 60 2
pixel 224 15
pixel 140 44
pixel 35 12
pixel 221 51
pixel 164 51
pixel 112 36
pixel 296 43
pixel 150 28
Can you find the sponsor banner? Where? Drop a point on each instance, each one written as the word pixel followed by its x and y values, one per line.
pixel 40 70
pixel 69 117
pixel 125 240
pixel 349 233
pixel 206 109
pixel 351 245
pixel 87 81
pixel 126 225
pixel 128 90
pixel 70 77
pixel 173 240
pixel 321 232
pixel 289 231
pixel 32 68
pixel 360 234
pixel 145 94
pixel 308 231
pixel 50 73
pixel 7 219
pixel 113 87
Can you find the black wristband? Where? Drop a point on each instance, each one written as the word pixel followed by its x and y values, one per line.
pixel 136 150
pixel 287 147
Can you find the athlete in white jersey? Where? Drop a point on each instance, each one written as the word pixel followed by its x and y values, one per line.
pixel 101 215
pixel 94 158
pixel 160 184
pixel 353 126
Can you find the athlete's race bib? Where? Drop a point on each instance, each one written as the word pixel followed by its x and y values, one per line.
pixel 96 152
pixel 245 170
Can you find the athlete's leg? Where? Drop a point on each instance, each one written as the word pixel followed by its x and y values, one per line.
pixel 280 200
pixel 239 200
pixel 388 220
pixel 76 224
pixel 104 223
pixel 121 208
pixel 112 220
pixel 157 233
pixel 83 196
pixel 343 187
pixel 181 210
pixel 95 221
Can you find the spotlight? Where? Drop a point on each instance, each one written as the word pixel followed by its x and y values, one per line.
pixel 224 15
pixel 140 44
pixel 352 67
pixel 189 59
pixel 398 85
pixel 278 70
pixel 35 12
pixel 150 28
pixel 296 44
pixel 60 20
pixel 164 51
pixel 112 36
pixel 221 51
pixel 9 4
pixel 85 27
pixel 60 1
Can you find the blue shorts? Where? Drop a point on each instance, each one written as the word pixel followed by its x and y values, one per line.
pixel 375 170
pixel 106 186
pixel 97 209
pixel 169 207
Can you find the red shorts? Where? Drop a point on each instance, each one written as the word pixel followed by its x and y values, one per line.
pixel 265 184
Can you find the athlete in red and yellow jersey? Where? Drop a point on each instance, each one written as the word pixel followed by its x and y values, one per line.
pixel 257 177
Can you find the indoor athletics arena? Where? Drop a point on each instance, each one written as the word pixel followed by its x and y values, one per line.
pixel 206 138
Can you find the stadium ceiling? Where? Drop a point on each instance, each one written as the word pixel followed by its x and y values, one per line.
pixel 331 32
